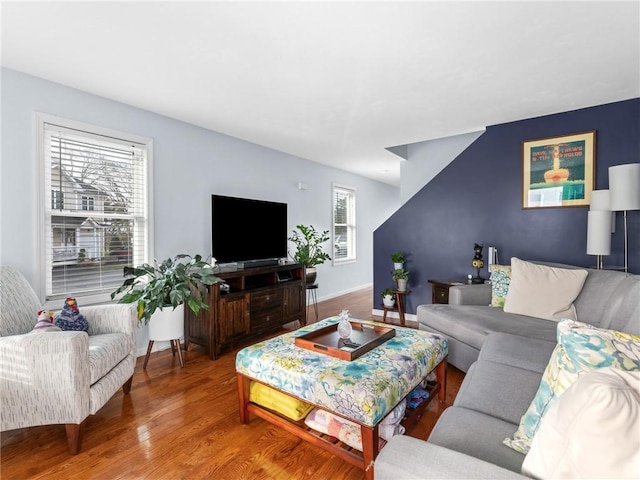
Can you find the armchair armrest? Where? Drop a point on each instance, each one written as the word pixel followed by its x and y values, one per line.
pixel 479 294
pixel 111 318
pixel 409 458
pixel 44 379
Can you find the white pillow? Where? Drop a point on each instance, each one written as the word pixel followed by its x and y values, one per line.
pixel 542 291
pixel 591 431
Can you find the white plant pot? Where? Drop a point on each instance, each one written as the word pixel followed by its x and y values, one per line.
pixel 167 324
pixel 398 265
pixel 402 284
pixel 388 301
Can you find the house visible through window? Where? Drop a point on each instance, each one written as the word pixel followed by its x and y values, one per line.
pixel 96 219
pixel 344 224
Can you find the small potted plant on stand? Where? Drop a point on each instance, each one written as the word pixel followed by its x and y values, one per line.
pixel 398 260
pixel 309 249
pixel 161 290
pixel 388 298
pixel 401 277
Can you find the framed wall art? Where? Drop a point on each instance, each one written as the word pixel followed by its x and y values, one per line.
pixel 558 171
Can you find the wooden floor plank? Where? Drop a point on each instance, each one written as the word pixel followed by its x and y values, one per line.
pixel 184 423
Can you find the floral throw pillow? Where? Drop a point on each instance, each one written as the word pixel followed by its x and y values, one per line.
pixel 581 348
pixel 500 279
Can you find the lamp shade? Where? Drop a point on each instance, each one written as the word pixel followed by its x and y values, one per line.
pixel 599 200
pixel 624 187
pixel 599 233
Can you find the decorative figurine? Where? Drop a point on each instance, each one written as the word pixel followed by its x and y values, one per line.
pixel 477 263
pixel 344 326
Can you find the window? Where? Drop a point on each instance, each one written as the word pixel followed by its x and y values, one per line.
pixel 344 224
pixel 95 220
pixel 87 203
pixel 57 203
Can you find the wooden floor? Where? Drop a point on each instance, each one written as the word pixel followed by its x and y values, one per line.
pixel 183 423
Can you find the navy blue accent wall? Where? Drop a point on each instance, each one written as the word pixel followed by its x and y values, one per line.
pixel 477 199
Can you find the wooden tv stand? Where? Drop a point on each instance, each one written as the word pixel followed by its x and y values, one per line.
pixel 258 302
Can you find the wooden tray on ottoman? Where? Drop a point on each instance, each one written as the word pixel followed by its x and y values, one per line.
pixel 327 341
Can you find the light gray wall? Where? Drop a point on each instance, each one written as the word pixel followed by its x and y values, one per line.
pixel 426 159
pixel 190 164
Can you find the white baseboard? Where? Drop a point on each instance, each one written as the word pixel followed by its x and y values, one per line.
pixel 344 292
pixel 407 316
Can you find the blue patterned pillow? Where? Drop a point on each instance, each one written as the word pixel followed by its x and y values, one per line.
pixel 581 348
pixel 500 279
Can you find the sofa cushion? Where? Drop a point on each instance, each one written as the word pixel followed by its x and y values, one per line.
pixel 517 351
pixel 581 348
pixel 500 280
pixel 484 389
pixel 542 291
pixel 106 351
pixel 471 324
pixel 611 300
pixel 593 430
pixel 408 458
pixel 476 434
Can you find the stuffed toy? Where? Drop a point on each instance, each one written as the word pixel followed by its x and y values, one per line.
pixel 70 317
pixel 45 322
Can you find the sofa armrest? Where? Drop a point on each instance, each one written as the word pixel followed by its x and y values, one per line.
pixel 409 458
pixel 111 318
pixel 479 294
pixel 44 379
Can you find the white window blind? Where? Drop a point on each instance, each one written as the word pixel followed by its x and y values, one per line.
pixel 344 224
pixel 96 217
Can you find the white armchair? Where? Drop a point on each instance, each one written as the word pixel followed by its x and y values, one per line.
pixel 60 377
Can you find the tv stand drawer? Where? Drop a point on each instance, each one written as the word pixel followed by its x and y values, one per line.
pixel 266 300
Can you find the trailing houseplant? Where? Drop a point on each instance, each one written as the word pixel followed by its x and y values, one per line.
pixel 309 251
pixel 177 281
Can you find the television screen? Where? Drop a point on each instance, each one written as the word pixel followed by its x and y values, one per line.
pixel 246 230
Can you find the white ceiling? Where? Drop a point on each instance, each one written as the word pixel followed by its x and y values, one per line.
pixel 335 82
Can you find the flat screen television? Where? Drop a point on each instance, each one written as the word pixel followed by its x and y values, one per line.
pixel 246 231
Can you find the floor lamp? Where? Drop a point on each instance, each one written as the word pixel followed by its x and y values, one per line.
pixel 624 192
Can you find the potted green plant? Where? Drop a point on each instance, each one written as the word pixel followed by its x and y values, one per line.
pixel 309 251
pixel 174 282
pixel 388 297
pixel 401 277
pixel 398 260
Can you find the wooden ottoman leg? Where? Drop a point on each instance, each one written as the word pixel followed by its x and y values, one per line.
pixel 243 397
pixel 441 378
pixel 369 449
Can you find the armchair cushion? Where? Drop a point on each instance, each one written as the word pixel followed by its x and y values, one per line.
pixel 105 352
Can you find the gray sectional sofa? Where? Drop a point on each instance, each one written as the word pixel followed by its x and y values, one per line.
pixel 609 299
pixel 504 356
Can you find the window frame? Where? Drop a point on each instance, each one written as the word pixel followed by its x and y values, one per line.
pixel 351 256
pixel 41 120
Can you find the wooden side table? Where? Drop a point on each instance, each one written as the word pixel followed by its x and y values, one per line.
pixel 440 290
pixel 400 294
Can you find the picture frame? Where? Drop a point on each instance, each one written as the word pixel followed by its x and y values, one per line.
pixel 558 171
